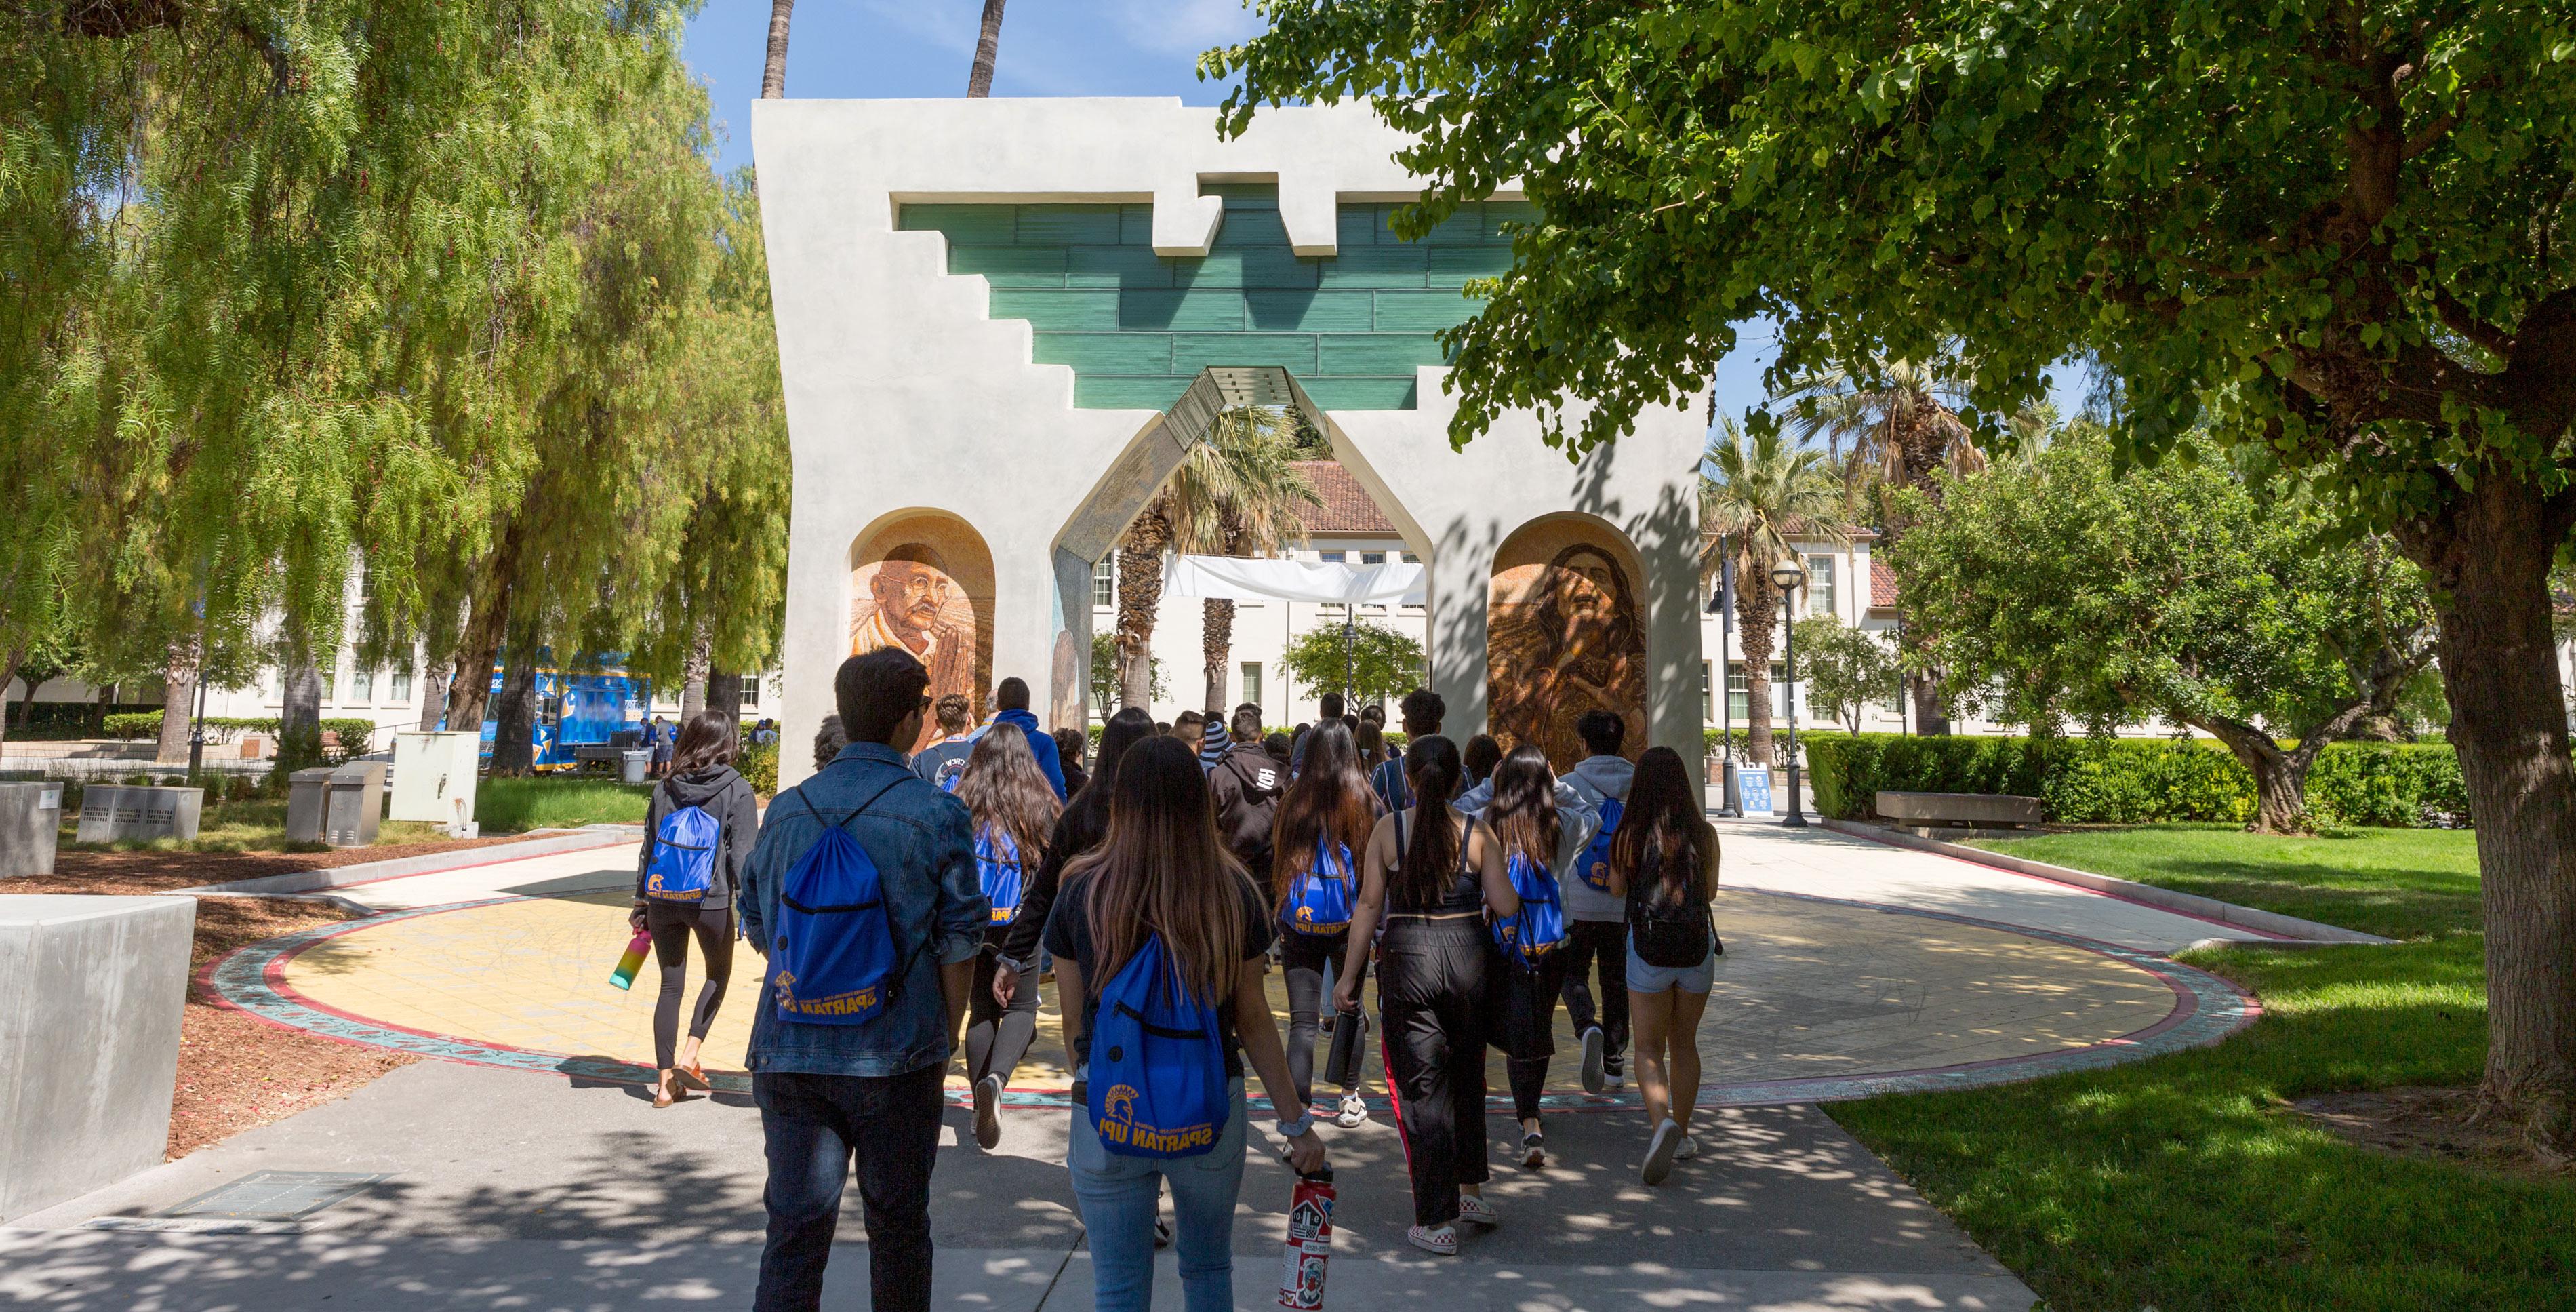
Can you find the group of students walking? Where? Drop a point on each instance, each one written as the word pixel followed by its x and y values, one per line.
pixel 1157 889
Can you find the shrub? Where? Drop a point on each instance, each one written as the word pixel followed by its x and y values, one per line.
pixel 2134 780
pixel 758 765
pixel 219 728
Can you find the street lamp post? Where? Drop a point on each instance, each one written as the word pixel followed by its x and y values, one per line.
pixel 1787 576
pixel 1724 604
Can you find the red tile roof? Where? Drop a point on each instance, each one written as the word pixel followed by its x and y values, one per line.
pixel 1882 585
pixel 1347 507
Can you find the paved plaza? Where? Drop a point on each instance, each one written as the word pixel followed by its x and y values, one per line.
pixel 526 1168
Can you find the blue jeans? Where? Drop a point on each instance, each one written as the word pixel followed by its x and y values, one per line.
pixel 1118 1196
pixel 816 1128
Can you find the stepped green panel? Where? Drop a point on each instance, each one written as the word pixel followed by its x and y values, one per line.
pixel 1452 266
pixel 1464 227
pixel 1011 266
pixel 1423 311
pixel 1049 310
pixel 1115 266
pixel 1246 266
pixel 1136 225
pixel 1108 353
pixel 1380 353
pixel 1311 311
pixel 1500 212
pixel 1206 309
pixel 1120 392
pixel 1357 225
pixel 1360 393
pixel 964 225
pixel 1242 227
pixel 1377 266
pixel 1192 352
pixel 1244 195
pixel 1068 225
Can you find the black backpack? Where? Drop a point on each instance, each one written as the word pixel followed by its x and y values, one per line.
pixel 1673 935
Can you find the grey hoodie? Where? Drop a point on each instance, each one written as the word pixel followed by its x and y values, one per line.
pixel 720 793
pixel 1600 779
pixel 1577 815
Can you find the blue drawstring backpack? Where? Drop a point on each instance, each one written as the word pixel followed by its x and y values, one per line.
pixel 684 856
pixel 1158 1086
pixel 1526 936
pixel 1594 867
pixel 997 864
pixel 833 959
pixel 1319 903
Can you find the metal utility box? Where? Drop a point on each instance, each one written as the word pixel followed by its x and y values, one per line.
pixel 434 777
pixel 353 805
pixel 306 791
pixel 125 813
pixel 637 765
pixel 31 818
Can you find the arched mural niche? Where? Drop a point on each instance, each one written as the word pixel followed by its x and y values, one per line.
pixel 923 580
pixel 1565 634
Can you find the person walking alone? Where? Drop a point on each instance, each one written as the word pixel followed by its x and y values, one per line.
pixel 1596 919
pixel 1663 865
pixel 846 1069
pixel 1323 825
pixel 1162 883
pixel 1432 877
pixel 1014 813
pixel 1541 824
pixel 942 761
pixel 702 822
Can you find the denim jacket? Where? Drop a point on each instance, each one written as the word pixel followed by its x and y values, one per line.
pixel 919 839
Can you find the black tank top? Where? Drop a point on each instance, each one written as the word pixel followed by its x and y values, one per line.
pixel 1465 893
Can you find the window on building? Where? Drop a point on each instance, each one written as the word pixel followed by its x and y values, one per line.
pixel 1820 585
pixel 362 685
pixel 1252 682
pixel 1332 557
pixel 751 683
pixel 1739 689
pixel 1104 582
pixel 331 685
pixel 1707 705
pixel 1410 559
pixel 401 689
pixel 1372 557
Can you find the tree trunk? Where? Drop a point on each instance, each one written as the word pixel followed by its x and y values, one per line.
pixel 299 719
pixel 1930 719
pixel 10 660
pixel 693 677
pixel 2280 778
pixel 178 702
pixel 773 71
pixel 433 697
pixel 1757 628
pixel 478 648
pixel 979 81
pixel 1217 646
pixel 2489 554
pixel 1140 595
pixel 724 696
pixel 515 715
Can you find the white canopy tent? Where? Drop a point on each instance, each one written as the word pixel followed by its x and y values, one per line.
pixel 1232 579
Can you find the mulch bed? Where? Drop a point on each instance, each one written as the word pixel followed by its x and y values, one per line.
pixel 234 1072
pixel 2430 1122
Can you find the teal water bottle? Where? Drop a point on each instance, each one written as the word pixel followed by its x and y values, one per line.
pixel 636 950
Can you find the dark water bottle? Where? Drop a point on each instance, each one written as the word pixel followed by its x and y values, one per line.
pixel 1350 1036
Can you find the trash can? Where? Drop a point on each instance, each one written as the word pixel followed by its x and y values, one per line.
pixel 31 818
pixel 636 766
pixel 354 804
pixel 305 790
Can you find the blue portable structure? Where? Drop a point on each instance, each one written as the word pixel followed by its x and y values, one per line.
pixel 577 709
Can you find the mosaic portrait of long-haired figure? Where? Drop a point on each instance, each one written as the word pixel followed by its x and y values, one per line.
pixel 1566 638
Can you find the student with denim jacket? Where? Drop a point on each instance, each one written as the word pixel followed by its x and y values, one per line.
pixel 832 1096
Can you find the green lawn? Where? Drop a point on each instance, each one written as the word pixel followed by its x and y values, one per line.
pixel 2183 1182
pixel 2397 883
pixel 511 806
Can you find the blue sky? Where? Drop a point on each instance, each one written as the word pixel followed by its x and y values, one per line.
pixel 853 49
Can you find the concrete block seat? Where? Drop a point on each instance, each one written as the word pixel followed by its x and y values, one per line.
pixel 1974 811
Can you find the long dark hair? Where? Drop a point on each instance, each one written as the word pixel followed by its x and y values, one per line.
pixel 1003 789
pixel 1090 807
pixel 1661 823
pixel 1482 755
pixel 1369 741
pixel 1163 871
pixel 1524 810
pixel 1431 851
pixel 707 740
pixel 1328 799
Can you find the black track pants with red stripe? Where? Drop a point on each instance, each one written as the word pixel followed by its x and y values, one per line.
pixel 1431 996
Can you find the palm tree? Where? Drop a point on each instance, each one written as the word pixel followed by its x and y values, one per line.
pixel 979 81
pixel 773 74
pixel 1753 491
pixel 1236 493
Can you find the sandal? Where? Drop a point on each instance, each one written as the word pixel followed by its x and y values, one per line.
pixel 666 1088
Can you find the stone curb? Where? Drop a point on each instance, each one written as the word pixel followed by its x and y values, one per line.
pixel 306 881
pixel 2298 931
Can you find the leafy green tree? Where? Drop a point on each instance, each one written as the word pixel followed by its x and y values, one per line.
pixel 2172 593
pixel 1754 491
pixel 1845 669
pixel 1379 664
pixel 2329 231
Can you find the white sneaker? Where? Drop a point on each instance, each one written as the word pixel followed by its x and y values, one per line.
pixel 1660 1150
pixel 1592 1055
pixel 1614 1077
pixel 988 1112
pixel 1354 1112
pixel 1688 1150
pixel 1473 1207
pixel 1441 1240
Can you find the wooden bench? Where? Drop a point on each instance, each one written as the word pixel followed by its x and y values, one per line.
pixel 1964 810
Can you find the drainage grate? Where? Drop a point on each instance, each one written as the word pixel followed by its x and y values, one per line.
pixel 274 1196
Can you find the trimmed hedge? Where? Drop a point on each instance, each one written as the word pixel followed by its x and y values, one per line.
pixel 758 765
pixel 356 734
pixel 2136 780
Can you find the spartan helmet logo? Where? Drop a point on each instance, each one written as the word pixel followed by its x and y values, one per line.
pixel 1120 1105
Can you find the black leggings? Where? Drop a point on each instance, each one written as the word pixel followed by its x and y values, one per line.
pixel 996 1039
pixel 1526 1028
pixel 1601 944
pixel 1305 959
pixel 672 923
pixel 1431 999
